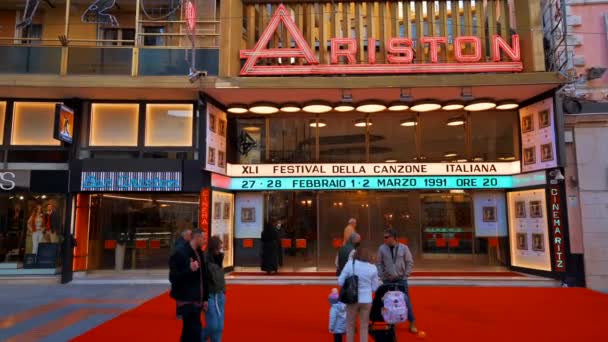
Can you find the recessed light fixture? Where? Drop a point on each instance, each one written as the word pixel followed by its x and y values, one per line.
pixel 461 161
pixel 370 107
pixel 252 129
pixel 344 107
pixel 511 158
pixel 457 121
pixel 507 104
pixel 237 108
pixel 317 107
pixel 453 105
pixel 362 123
pixel 319 123
pixel 390 161
pixel 409 122
pixel 290 108
pixel 263 108
pixel 479 105
pixel 398 106
pixel 425 106
pixel 477 159
pixel 450 154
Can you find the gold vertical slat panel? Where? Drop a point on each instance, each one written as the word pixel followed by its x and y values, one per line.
pixel 419 31
pixel 359 31
pixel 406 19
pixel 299 20
pixel 480 25
pixel 443 29
pixel 250 26
pixel 276 37
pixel 505 21
pixel 334 20
pixel 468 22
pixel 324 26
pixel 345 20
pixel 394 16
pixel 371 23
pixel 430 17
pixel 492 20
pixel 285 41
pixel 455 15
pixel 310 26
pixel 382 27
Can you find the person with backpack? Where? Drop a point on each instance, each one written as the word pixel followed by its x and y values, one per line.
pixel 395 264
pixel 337 316
pixel 365 273
pixel 214 317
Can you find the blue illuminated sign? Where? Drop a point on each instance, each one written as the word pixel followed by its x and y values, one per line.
pixel 371 183
pixel 131 181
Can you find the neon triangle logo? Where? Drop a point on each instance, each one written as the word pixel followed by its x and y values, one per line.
pixel 260 50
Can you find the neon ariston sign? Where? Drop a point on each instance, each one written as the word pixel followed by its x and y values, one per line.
pixel 400 54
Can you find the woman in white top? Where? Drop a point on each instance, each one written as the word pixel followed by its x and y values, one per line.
pixel 367 272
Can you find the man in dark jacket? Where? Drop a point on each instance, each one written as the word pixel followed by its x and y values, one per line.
pixel 182 239
pixel 189 285
pixel 345 252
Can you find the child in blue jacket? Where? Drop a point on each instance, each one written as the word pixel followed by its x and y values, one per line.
pixel 337 316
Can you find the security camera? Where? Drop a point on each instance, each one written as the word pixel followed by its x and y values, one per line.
pixel 194 76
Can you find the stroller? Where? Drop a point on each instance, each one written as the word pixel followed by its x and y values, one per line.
pixel 378 329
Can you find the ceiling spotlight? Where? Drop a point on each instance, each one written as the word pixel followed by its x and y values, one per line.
pixel 263 108
pixel 453 105
pixel 237 108
pixel 390 161
pixel 409 122
pixel 425 106
pixel 450 154
pixel 362 123
pixel 511 158
pixel 315 123
pixel 370 107
pixel 477 159
pixel 479 105
pixel 290 108
pixel 343 107
pixel 398 106
pixel 317 107
pixel 506 105
pixel 457 121
pixel 252 129
pixel 461 161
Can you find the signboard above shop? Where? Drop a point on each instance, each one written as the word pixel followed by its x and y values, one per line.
pixel 131 181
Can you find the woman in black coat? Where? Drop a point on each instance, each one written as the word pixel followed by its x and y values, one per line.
pixel 270 249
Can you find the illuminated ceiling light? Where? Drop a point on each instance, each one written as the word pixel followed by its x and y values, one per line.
pixel 477 159
pixel 409 122
pixel 453 105
pixel 362 123
pixel 479 105
pixel 390 161
pixel 511 158
pixel 370 107
pixel 425 106
pixel 461 161
pixel 315 123
pixel 450 154
pixel 263 108
pixel 252 129
pixel 507 104
pixel 237 108
pixel 398 106
pixel 457 121
pixel 343 107
pixel 290 108
pixel 317 107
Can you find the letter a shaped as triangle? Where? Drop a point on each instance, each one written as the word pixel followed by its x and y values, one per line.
pixel 302 50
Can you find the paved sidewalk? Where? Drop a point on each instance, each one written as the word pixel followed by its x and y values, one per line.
pixel 31 312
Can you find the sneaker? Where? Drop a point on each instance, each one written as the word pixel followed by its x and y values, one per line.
pixel 413 328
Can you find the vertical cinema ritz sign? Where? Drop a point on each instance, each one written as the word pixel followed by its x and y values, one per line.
pixel 400 54
pixel 556 221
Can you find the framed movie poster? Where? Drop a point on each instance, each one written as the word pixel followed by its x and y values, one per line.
pixel 538 147
pixel 221 159
pixel 215 139
pixel 247 214
pixel 546 152
pixel 544 119
pixel 529 155
pixel 538 242
pixel 64 124
pixel 212 122
pixel 536 210
pixel 211 156
pixel 520 209
pixel 522 241
pixel 217 210
pixel 489 214
pixel 222 128
pixel 226 210
pixel 527 124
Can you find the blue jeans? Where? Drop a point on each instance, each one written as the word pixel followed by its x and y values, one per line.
pixel 214 318
pixel 408 302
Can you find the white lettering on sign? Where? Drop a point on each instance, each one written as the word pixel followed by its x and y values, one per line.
pixel 7 181
pixel 387 169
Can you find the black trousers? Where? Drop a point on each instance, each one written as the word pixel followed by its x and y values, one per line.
pixel 338 337
pixel 191 323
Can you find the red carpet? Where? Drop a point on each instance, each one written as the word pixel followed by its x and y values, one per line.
pixel 300 313
pixel 415 274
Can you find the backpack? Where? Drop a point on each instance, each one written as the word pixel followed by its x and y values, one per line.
pixel 395 309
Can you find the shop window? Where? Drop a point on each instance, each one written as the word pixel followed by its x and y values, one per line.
pixel 118 36
pixel 392 138
pixel 342 138
pixel 34 32
pixel 114 124
pixel 250 141
pixel 33 124
pixel 443 136
pixel 2 117
pixel 494 136
pixel 154 36
pixel 292 139
pixel 169 125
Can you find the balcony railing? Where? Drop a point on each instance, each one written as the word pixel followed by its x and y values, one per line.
pixel 30 59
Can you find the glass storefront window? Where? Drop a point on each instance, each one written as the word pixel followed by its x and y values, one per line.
pixel 137 231
pixel 447 225
pixel 443 136
pixel 114 124
pixel 222 226
pixel 27 221
pixel 251 141
pixel 292 139
pixel 342 138
pixel 2 117
pixel 169 124
pixel 494 136
pixel 392 138
pixel 33 124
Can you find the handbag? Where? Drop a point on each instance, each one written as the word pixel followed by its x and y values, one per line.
pixel 349 294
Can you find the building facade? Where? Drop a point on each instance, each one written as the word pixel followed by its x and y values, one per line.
pixel 436 118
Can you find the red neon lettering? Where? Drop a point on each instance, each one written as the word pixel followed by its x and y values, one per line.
pixel 499 43
pixel 433 46
pixel 371 51
pixel 350 52
pixel 400 46
pixel 459 45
